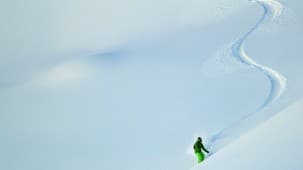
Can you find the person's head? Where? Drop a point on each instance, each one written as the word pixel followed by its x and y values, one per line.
pixel 199 139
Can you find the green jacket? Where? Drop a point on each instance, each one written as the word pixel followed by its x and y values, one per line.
pixel 198 147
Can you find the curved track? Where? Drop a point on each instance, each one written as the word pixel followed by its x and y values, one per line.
pixel 271 10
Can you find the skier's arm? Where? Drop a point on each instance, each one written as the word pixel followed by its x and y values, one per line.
pixel 205 149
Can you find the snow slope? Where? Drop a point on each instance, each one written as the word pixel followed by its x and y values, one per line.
pixel 101 86
pixel 274 145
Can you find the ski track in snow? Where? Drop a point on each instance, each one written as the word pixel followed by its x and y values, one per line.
pixel 272 9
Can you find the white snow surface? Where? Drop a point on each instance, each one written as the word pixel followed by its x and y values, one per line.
pixel 273 145
pixel 130 84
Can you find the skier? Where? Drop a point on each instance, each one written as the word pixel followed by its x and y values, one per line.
pixel 197 148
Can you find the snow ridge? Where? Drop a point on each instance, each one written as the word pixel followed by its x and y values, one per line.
pixel 272 9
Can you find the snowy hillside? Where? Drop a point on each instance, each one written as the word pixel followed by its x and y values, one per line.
pixel 272 145
pixel 130 84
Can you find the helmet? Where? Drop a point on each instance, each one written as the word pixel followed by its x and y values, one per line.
pixel 199 139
